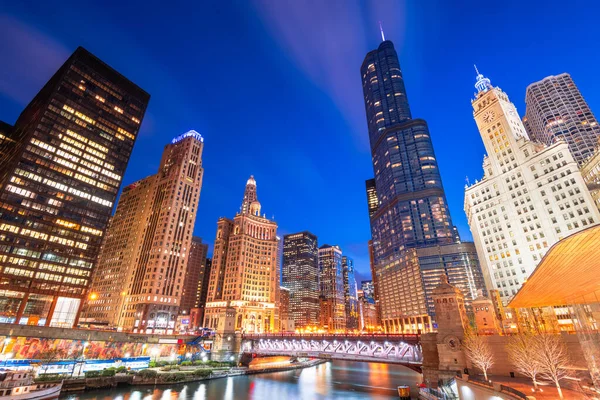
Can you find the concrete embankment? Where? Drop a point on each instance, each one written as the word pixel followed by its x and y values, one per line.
pixel 162 378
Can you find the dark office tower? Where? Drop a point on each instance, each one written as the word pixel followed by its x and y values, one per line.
pixel 300 274
pixel 557 110
pixel 372 201
pixel 350 296
pixel 412 209
pixel 197 313
pixel 59 176
pixel 194 274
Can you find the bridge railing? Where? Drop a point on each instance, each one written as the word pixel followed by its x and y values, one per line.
pixel 367 336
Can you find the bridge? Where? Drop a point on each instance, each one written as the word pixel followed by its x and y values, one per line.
pixel 395 349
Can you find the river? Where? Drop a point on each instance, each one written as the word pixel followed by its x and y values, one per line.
pixel 346 380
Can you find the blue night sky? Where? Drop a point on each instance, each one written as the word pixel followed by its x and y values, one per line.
pixel 274 87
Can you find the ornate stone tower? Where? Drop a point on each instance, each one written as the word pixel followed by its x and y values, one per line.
pixel 452 321
pixel 485 316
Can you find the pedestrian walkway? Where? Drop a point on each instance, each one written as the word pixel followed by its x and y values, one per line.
pixel 546 390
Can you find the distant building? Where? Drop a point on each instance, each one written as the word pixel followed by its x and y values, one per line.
pixel 243 292
pixel 142 269
pixel 368 321
pixel 350 297
pixel 193 274
pixel 197 312
pixel 300 274
pixel 367 288
pixel 555 111
pixel 530 196
pixel 61 168
pixel 285 317
pixel 411 220
pixel 331 280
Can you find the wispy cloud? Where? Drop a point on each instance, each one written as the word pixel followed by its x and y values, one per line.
pixel 33 57
pixel 327 41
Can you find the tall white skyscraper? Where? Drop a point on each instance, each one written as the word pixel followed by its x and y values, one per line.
pixel 531 195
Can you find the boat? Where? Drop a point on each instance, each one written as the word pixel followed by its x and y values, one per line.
pixel 19 385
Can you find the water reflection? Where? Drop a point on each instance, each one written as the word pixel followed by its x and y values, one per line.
pixel 334 380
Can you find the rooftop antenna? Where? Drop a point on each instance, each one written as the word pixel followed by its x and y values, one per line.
pixel 476 70
pixel 381 30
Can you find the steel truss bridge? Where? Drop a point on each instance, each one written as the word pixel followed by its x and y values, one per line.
pixel 396 349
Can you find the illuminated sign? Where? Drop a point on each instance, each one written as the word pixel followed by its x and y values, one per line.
pixel 188 134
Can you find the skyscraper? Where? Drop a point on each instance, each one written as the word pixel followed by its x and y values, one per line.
pixel 412 210
pixel 350 297
pixel 194 273
pixel 300 274
pixel 331 282
pixel 197 312
pixel 60 171
pixel 530 196
pixel 243 291
pixel 140 279
pixel 556 110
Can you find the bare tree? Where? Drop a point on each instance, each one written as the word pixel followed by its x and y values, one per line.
pixel 552 355
pixel 522 354
pixel 49 356
pixel 479 352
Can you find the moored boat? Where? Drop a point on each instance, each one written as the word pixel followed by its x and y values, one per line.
pixel 19 385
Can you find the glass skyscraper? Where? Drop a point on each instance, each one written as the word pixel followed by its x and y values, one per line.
pixel 300 274
pixel 60 172
pixel 412 212
pixel 350 296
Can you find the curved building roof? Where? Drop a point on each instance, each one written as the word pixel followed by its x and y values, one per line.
pixel 569 273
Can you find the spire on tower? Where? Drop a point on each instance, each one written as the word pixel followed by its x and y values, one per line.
pixel 483 83
pixel 381 30
pixel 249 195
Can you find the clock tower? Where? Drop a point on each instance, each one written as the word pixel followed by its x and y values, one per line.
pixel 531 195
pixel 499 125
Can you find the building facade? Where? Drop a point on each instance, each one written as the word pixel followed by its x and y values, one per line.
pixel 590 170
pixel 140 279
pixel 530 196
pixel 243 292
pixel 350 296
pixel 285 316
pixel 300 274
pixel 367 312
pixel 331 282
pixel 197 312
pixel 412 212
pixel 194 275
pixel 60 171
pixel 556 110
